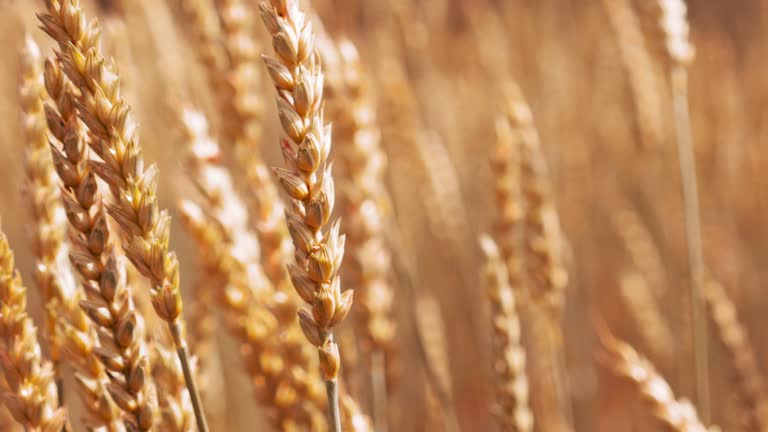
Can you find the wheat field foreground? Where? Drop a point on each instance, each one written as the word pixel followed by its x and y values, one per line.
pixel 383 216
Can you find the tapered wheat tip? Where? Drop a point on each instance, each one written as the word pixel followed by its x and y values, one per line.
pixel 108 301
pixel 512 410
pixel 32 398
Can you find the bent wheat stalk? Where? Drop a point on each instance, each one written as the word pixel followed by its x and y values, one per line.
pixel 146 228
pixel 307 179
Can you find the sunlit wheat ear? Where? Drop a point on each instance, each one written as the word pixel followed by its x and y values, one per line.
pixel 512 410
pixel 624 361
pixel 72 337
pixel 114 139
pixel 307 179
pixel 107 301
pixel 32 398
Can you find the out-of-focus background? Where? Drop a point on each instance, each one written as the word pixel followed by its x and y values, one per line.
pixel 611 177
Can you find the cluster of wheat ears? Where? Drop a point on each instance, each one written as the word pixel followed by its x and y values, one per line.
pixel 379 232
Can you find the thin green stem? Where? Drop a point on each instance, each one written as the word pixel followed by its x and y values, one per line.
pixel 693 236
pixel 189 379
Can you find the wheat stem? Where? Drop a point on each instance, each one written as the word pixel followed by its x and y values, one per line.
pixel 183 352
pixel 687 160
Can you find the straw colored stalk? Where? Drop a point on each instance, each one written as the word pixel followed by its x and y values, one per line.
pixel 307 179
pixel 511 410
pixel 667 22
pixel 70 333
pixel 734 337
pixel 107 300
pixel 114 138
pixel 32 398
pixel 625 362
pixel 641 74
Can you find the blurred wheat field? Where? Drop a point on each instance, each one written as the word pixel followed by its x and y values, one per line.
pixel 529 246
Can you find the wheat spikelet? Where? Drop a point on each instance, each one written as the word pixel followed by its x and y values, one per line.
pixel 307 179
pixel 624 361
pixel 72 336
pixel 667 26
pixel 734 337
pixel 511 410
pixel 108 301
pixel 146 228
pixel 639 67
pixel 32 398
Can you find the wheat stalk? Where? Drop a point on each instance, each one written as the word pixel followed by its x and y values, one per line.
pixel 108 301
pixel 307 179
pixel 624 361
pixel 146 228
pixel 512 410
pixel 667 22
pixel 32 399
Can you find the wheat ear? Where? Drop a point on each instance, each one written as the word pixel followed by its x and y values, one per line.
pixel 107 300
pixel 72 335
pixel 639 66
pixel 146 228
pixel 624 361
pixel 734 337
pixel 32 399
pixel 307 179
pixel 512 410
